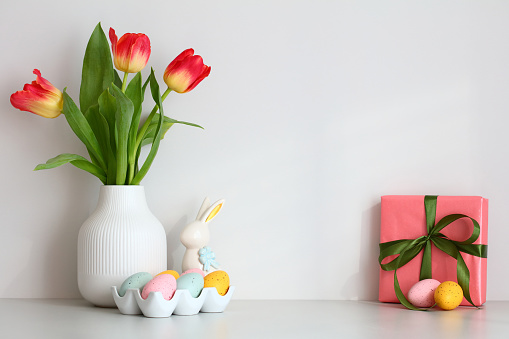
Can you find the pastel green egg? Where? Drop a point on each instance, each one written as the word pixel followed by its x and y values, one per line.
pixel 137 280
pixel 193 282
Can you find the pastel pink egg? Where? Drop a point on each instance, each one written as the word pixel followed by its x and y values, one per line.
pixel 194 270
pixel 164 283
pixel 422 294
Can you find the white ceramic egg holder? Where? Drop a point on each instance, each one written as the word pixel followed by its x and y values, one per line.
pixel 182 303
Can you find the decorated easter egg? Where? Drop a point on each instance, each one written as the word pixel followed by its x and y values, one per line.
pixel 137 280
pixel 193 282
pixel 194 270
pixel 422 294
pixel 164 283
pixel 218 279
pixel 172 272
pixel 448 295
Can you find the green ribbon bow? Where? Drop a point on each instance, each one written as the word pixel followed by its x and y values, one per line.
pixel 407 249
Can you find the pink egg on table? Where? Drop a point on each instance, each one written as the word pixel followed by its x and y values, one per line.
pixel 194 270
pixel 422 294
pixel 164 283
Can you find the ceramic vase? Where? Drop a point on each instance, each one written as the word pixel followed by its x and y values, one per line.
pixel 120 238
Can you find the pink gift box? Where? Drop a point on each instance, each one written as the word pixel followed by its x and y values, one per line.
pixel 404 217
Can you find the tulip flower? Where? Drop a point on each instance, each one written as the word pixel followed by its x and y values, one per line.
pixel 185 72
pixel 131 52
pixel 40 97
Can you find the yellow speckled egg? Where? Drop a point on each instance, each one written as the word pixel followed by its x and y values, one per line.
pixel 172 272
pixel 448 295
pixel 218 279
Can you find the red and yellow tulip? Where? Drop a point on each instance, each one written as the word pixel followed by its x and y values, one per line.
pixel 185 72
pixel 112 130
pixel 131 52
pixel 40 97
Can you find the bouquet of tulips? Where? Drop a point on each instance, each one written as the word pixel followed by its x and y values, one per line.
pixel 108 119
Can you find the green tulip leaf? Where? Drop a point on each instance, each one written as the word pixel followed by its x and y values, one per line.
pixel 82 129
pixel 123 117
pixel 148 138
pixel 144 88
pixel 107 109
pixel 90 168
pixel 98 72
pixel 59 160
pixel 173 121
pixel 100 128
pixel 76 160
pixel 156 95
pixel 134 93
pixel 116 79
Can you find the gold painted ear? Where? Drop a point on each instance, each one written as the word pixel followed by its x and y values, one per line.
pixel 212 211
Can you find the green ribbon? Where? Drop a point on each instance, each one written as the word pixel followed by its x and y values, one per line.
pixel 407 249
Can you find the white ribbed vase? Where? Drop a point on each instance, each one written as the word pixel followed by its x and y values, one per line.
pixel 120 238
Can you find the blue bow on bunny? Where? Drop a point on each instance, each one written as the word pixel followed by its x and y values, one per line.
pixel 207 258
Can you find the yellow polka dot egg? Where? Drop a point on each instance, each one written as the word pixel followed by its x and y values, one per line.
pixel 448 295
pixel 218 279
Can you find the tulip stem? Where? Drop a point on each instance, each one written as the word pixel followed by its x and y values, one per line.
pixel 147 122
pixel 165 94
pixel 141 133
pixel 124 82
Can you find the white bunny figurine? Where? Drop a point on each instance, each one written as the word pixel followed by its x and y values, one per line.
pixel 195 237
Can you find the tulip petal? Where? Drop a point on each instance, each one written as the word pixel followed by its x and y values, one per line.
pixel 179 81
pixel 27 101
pixel 37 91
pixel 140 53
pixel 185 54
pixel 131 52
pixel 123 52
pixel 185 72
pixel 204 74
pixel 39 97
pixel 45 84
pixel 114 40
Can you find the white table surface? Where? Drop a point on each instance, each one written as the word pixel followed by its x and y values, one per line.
pixel 75 318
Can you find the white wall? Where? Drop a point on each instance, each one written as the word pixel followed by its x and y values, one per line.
pixel 313 110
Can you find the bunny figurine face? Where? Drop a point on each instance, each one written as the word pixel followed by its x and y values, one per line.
pixel 196 235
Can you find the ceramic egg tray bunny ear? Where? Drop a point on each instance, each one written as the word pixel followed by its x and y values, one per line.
pixel 195 237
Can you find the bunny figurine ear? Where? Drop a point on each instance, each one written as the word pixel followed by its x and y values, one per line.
pixel 211 212
pixel 205 204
